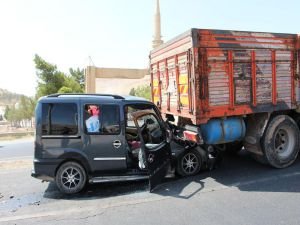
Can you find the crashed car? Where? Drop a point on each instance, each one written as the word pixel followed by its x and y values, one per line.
pixel 91 138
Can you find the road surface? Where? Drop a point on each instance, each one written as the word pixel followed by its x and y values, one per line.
pixel 241 191
pixel 18 149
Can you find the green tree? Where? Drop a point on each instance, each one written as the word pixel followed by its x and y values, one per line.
pixel 23 111
pixel 72 84
pixel 6 112
pixel 132 92
pixel 51 80
pixel 78 75
pixel 26 107
pixel 12 116
pixel 64 90
pixel 143 91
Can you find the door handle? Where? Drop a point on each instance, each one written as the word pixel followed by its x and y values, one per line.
pixel 150 158
pixel 117 144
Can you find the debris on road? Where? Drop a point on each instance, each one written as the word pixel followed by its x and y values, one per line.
pixel 35 203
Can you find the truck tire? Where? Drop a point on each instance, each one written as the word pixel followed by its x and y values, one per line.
pixel 259 158
pixel 189 163
pixel 280 142
pixel 70 178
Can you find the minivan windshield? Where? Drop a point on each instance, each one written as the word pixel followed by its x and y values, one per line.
pixel 129 109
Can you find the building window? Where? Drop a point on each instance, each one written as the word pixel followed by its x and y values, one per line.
pixel 59 119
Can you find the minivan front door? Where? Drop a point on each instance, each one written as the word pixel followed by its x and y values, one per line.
pixel 104 142
pixel 156 152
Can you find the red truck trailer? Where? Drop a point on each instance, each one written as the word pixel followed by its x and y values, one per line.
pixel 232 88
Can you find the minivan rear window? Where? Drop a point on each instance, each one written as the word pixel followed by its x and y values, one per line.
pixel 59 119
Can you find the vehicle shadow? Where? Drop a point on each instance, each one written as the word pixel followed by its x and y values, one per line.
pixel 239 171
pixel 104 190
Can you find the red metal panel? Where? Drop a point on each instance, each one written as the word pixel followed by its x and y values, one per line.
pixel 159 85
pixel 245 39
pixel 177 82
pixel 293 101
pixel 151 80
pixel 190 84
pixel 253 78
pixel 231 88
pixel 274 88
pixel 167 83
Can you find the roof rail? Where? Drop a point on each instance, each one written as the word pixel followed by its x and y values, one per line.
pixel 81 94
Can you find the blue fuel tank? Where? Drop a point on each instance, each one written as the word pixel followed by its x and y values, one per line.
pixel 219 131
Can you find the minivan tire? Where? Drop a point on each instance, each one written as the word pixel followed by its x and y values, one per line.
pixel 70 178
pixel 189 163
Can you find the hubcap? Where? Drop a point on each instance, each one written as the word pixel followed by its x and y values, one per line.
pixel 70 177
pixel 189 163
pixel 284 142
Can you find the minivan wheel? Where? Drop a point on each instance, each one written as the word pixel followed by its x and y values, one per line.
pixel 189 163
pixel 70 178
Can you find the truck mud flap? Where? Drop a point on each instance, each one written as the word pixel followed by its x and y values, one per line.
pixel 256 125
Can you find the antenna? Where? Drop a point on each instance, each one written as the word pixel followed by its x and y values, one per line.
pixel 91 62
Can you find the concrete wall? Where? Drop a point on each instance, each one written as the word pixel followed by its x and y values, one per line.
pixel 113 80
pixel 119 86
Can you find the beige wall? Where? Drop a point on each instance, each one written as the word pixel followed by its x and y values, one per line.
pixel 119 86
pixel 114 80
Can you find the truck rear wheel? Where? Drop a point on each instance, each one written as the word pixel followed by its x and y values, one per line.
pixel 189 163
pixel 280 142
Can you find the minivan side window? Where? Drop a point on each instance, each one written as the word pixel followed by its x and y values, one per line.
pixel 59 119
pixel 102 119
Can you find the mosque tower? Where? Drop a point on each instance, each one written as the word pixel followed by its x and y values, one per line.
pixel 157 41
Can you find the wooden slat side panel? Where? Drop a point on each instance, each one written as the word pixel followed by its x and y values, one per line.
pixel 164 82
pixel 155 85
pixel 172 88
pixel 218 81
pixel 242 73
pixel 183 81
pixel 283 79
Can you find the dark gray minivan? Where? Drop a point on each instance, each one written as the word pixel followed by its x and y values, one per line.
pixel 93 138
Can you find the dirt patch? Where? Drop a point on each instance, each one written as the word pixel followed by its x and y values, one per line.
pixel 15 164
pixel 16 137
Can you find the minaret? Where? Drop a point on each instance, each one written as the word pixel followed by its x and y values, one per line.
pixel 157 41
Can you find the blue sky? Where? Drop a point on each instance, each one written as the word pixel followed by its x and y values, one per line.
pixel 116 33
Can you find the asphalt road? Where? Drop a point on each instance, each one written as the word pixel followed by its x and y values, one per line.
pixel 241 191
pixel 18 149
